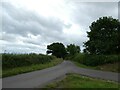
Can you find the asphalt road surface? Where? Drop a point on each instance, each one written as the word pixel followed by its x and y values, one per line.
pixel 38 79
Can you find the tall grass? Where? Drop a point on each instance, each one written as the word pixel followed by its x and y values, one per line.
pixel 94 60
pixel 19 60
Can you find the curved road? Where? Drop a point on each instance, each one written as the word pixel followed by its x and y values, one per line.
pixel 42 77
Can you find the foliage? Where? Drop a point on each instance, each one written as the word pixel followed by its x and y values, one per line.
pixel 72 49
pixel 94 60
pixel 79 57
pixel 33 67
pixel 57 49
pixel 103 37
pixel 19 60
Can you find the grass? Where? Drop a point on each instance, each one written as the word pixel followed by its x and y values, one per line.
pixel 83 66
pixel 105 67
pixel 34 67
pixel 78 81
pixel 109 67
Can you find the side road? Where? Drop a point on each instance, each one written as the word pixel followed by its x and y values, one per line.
pixel 42 77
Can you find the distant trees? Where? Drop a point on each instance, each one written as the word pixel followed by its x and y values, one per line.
pixel 104 37
pixel 57 49
pixel 72 49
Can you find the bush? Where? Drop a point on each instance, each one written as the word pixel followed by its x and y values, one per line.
pixel 79 57
pixel 94 60
pixel 18 60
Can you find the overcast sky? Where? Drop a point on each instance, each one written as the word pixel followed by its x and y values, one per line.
pixel 30 25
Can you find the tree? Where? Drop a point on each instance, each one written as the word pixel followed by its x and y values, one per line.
pixel 57 49
pixel 72 49
pixel 103 37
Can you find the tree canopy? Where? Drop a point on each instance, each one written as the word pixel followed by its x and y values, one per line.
pixel 72 49
pixel 103 37
pixel 57 49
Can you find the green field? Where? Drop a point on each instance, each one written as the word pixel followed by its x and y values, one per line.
pixel 78 81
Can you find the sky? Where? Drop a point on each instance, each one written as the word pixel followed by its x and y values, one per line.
pixel 28 26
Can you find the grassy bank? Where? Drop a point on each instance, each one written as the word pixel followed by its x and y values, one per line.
pixel 33 67
pixel 114 67
pixel 78 81
pixel 99 62
pixel 106 67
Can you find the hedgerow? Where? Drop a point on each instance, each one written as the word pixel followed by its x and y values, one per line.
pixel 18 60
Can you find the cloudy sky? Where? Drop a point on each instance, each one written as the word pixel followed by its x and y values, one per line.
pixel 30 25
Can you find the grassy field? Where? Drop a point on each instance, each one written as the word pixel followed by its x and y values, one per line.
pixel 106 67
pixel 24 69
pixel 78 81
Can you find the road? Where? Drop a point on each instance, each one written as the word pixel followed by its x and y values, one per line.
pixel 37 79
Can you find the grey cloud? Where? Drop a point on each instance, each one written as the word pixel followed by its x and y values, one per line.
pixel 22 48
pixel 87 12
pixel 19 21
pixel 9 37
pixel 75 39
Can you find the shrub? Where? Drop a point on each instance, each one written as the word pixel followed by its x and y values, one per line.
pixel 79 57
pixel 18 60
pixel 94 60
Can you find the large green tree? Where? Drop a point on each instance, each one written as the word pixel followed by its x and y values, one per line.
pixel 72 49
pixel 57 49
pixel 104 37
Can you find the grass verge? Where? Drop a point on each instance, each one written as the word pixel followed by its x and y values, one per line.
pixel 24 69
pixel 114 67
pixel 78 81
pixel 109 67
pixel 83 66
